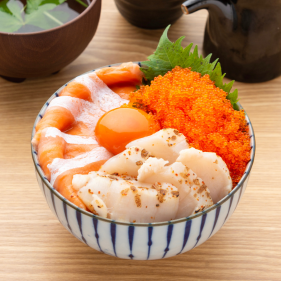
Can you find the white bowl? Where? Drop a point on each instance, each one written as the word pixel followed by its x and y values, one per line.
pixel 140 241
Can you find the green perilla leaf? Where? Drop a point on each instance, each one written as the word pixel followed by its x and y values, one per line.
pixel 34 5
pixel 38 13
pixel 169 55
pixel 10 16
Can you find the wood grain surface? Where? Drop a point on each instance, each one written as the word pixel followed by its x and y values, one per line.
pixel 35 246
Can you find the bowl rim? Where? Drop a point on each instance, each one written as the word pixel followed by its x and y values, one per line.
pixel 175 221
pixel 93 2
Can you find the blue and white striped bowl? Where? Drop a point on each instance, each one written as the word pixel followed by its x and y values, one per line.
pixel 141 241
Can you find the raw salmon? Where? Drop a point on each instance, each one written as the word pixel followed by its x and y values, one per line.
pixel 80 129
pixel 73 150
pixel 55 144
pixel 121 79
pixel 123 90
pixel 57 117
pixel 64 136
pixel 69 108
pixel 126 72
pixel 62 171
pixel 59 165
pixel 50 148
pixel 77 90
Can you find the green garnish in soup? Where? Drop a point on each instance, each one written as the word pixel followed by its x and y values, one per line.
pixel 22 16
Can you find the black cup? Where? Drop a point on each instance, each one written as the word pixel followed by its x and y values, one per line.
pixel 150 14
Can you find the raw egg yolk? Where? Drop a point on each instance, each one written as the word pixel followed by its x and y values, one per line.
pixel 118 127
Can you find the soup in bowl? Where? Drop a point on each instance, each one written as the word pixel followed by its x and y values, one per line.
pixel 48 41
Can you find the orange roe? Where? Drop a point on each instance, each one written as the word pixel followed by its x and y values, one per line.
pixel 191 103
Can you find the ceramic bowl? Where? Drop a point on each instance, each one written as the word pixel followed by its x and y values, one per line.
pixel 37 54
pixel 141 241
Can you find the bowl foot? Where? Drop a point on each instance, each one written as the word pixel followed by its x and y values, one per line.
pixel 56 72
pixel 13 79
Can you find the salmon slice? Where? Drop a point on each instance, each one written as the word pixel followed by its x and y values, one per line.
pixel 57 117
pixel 50 148
pixel 55 144
pixel 59 166
pixel 91 88
pixel 73 150
pixel 80 129
pixel 65 110
pixel 76 111
pixel 77 90
pixel 123 90
pixel 126 72
pixel 103 97
pixel 63 183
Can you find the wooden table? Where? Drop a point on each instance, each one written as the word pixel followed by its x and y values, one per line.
pixel 35 246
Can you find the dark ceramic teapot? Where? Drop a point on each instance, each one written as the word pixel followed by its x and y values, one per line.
pixel 244 34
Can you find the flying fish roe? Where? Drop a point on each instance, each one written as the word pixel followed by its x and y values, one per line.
pixel 192 104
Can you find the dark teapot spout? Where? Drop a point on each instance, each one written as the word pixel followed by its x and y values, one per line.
pixel 222 8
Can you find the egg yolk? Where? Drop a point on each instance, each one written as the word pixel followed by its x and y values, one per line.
pixel 118 127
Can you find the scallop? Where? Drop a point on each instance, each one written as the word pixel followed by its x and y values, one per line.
pixel 209 167
pixel 139 202
pixel 197 200
pixel 166 144
pixel 99 207
pixel 78 181
pixel 126 199
pixel 95 192
pixel 150 170
pixel 98 184
pixel 93 202
pixel 127 162
pixel 194 196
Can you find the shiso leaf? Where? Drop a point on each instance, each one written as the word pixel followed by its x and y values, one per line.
pixel 10 16
pixel 4 8
pixel 38 13
pixel 45 18
pixel 15 9
pixel 169 55
pixel 33 5
pixel 233 97
pixel 9 23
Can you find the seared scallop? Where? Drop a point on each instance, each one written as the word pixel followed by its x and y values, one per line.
pixel 127 162
pixel 139 202
pixel 211 169
pixel 126 199
pixel 194 195
pixel 166 144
